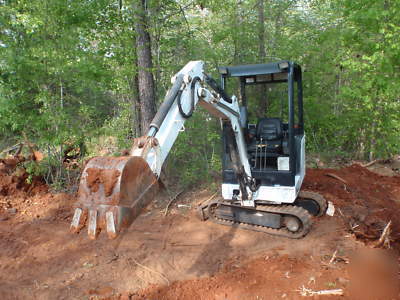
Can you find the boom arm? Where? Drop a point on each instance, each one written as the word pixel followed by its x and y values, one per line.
pixel 187 91
pixel 114 190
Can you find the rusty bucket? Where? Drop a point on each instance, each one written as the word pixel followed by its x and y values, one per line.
pixel 112 193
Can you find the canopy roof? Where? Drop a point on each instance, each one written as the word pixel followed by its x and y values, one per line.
pixel 258 69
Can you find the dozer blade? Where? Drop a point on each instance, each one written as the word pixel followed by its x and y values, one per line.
pixel 112 193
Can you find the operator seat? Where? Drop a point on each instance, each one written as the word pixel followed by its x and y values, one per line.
pixel 271 133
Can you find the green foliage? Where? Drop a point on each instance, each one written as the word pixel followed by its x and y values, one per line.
pixel 34 168
pixel 196 155
pixel 358 85
pixel 55 78
pixel 58 176
pixel 67 72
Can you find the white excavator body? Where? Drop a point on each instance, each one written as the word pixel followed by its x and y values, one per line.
pixel 264 163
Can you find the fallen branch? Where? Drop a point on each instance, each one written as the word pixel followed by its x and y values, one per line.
pixel 384 239
pixel 9 149
pixel 305 292
pixel 170 202
pixel 209 199
pixel 336 177
pixel 369 164
pixel 113 258
pixel 340 211
pixel 348 222
pixel 333 257
pixel 363 235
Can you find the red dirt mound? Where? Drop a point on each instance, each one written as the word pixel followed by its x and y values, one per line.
pixel 17 188
pixel 366 200
pixel 14 179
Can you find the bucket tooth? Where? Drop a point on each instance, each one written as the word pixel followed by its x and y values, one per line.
pixel 92 226
pixel 76 221
pixel 110 223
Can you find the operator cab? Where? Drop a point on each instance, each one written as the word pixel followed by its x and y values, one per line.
pixel 274 137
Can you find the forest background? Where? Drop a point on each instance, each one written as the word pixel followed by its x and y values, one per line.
pixel 70 73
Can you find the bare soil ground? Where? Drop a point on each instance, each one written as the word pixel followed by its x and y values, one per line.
pixel 179 257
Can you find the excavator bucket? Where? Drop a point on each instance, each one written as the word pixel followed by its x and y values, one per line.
pixel 112 193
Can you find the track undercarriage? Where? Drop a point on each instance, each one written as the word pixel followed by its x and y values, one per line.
pixel 288 220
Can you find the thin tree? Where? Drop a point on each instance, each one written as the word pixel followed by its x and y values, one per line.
pixel 144 63
pixel 263 100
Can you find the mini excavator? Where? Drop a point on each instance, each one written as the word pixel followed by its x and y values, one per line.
pixel 263 162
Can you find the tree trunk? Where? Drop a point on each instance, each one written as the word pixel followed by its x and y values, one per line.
pixel 144 63
pixel 237 23
pixel 263 102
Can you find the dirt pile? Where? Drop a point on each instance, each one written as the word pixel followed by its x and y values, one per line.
pixel 365 200
pixel 14 179
pixel 21 195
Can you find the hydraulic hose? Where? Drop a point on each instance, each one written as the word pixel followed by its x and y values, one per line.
pixel 214 85
pixel 192 95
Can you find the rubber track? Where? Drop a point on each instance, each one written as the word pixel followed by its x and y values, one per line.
pixel 322 203
pixel 299 212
